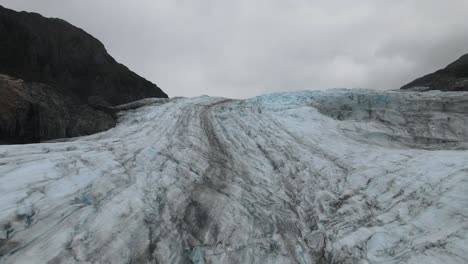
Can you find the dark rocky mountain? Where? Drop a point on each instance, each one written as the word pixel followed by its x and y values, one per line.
pixel 58 81
pixel 31 112
pixel 454 77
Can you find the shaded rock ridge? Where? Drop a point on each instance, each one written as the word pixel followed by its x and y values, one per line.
pixel 454 77
pixel 70 65
pixel 31 112
pixel 336 176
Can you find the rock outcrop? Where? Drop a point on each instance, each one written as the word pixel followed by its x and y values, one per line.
pixel 58 81
pixel 454 77
pixel 32 112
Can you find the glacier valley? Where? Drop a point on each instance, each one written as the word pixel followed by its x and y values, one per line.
pixel 335 176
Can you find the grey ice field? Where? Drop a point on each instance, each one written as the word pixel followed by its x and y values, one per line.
pixel 336 176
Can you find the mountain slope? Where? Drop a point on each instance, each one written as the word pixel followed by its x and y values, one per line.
pixel 31 112
pixel 52 51
pixel 452 78
pixel 340 176
pixel 68 63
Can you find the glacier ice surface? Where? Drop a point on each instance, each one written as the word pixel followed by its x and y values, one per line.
pixel 335 176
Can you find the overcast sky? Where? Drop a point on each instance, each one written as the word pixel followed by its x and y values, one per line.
pixel 245 48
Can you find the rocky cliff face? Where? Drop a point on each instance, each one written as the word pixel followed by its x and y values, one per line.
pixel 51 56
pixel 452 78
pixel 31 112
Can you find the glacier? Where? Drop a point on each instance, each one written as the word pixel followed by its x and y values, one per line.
pixel 333 176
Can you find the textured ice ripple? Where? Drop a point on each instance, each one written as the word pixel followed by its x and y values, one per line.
pixel 337 176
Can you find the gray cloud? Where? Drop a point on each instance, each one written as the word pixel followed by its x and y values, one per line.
pixel 244 48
